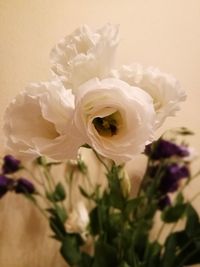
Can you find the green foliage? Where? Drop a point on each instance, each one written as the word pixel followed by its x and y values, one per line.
pixel 70 249
pixel 58 194
pixel 120 225
pixel 173 214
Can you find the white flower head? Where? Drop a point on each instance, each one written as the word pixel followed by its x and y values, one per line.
pixel 85 54
pixel 117 120
pixel 163 88
pixel 78 219
pixel 39 122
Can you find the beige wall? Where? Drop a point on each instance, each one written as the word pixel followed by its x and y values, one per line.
pixel 163 33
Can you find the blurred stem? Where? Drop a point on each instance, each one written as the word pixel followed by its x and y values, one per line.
pixel 30 198
pixel 100 159
pixel 194 197
pixel 160 231
pixel 69 180
pixel 188 257
pixel 34 177
pixel 48 178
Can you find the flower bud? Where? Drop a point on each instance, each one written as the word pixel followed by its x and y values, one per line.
pixel 10 164
pixel 24 186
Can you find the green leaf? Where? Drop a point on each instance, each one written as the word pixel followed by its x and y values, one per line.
pixel 152 255
pixel 133 258
pixel 169 256
pixel 70 249
pixel 57 220
pixel 82 166
pixel 84 193
pixel 58 194
pixel 179 198
pixel 132 205
pixel 193 222
pixel 116 196
pixel 173 214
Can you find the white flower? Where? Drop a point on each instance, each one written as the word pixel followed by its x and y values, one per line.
pixel 163 88
pixel 84 54
pixel 39 122
pixel 117 120
pixel 78 219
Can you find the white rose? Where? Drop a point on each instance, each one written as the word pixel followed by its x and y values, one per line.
pixel 117 120
pixel 163 88
pixel 39 122
pixel 84 54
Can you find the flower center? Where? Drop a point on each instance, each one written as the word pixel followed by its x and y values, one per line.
pixel 109 125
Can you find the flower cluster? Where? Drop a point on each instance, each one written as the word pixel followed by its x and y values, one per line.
pixel 166 160
pixel 113 113
pixel 89 101
pixel 18 185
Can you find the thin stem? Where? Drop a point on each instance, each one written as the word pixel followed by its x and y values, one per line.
pixel 37 205
pixel 194 197
pixel 34 177
pixel 69 180
pixel 188 257
pixel 48 178
pixel 160 231
pixel 100 159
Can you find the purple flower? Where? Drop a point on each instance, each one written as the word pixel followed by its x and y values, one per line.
pixel 10 164
pixel 24 186
pixel 165 149
pixel 6 184
pixel 171 177
pixel 164 202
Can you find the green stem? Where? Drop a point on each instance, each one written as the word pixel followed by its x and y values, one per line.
pixel 187 257
pixel 194 197
pixel 100 159
pixel 29 197
pixel 160 231
pixel 34 177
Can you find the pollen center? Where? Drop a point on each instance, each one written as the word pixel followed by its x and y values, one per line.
pixel 109 125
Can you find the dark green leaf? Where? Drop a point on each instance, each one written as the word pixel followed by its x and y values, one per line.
pixel 193 222
pixel 56 221
pixel 82 166
pixel 58 194
pixel 179 199
pixel 133 204
pixel 70 249
pixel 84 193
pixel 173 214
pixel 169 256
pixel 152 255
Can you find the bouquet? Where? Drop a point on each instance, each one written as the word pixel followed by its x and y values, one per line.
pixel 93 110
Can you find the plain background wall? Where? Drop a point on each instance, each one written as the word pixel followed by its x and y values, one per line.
pixel 162 33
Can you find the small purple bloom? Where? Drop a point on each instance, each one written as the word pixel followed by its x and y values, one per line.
pixel 24 186
pixel 10 165
pixel 6 184
pixel 164 202
pixel 171 177
pixel 165 149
